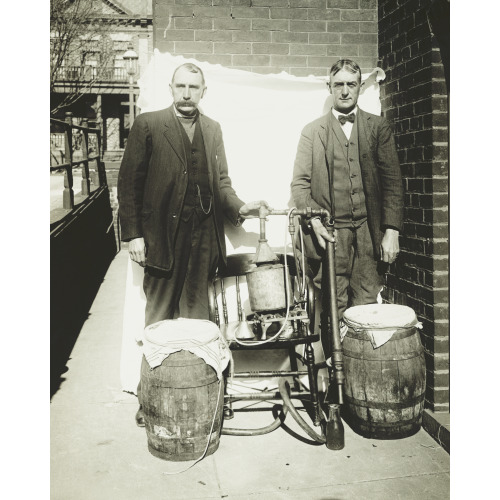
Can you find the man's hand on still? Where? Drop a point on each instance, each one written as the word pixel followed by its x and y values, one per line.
pixel 137 251
pixel 389 248
pixel 322 235
pixel 251 210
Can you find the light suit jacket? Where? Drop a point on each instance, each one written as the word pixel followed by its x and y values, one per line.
pixel 312 184
pixel 153 179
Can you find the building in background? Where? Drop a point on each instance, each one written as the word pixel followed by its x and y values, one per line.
pixel 88 72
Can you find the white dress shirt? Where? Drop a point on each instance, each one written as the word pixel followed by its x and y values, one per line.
pixel 347 127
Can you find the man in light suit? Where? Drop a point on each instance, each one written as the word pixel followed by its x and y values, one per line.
pixel 173 192
pixel 347 163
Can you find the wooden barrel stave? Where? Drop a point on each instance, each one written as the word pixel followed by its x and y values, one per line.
pixel 179 400
pixel 385 386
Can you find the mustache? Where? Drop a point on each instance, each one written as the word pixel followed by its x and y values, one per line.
pixel 185 103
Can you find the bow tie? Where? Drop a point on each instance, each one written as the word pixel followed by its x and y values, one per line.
pixel 346 118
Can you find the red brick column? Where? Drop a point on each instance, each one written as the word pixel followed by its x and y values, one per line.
pixel 414 98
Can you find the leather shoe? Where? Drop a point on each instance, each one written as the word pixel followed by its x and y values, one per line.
pixel 139 417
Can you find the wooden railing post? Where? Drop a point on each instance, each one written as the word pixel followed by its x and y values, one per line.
pixel 85 154
pixel 101 172
pixel 68 194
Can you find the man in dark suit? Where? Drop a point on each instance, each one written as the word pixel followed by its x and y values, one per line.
pixel 173 192
pixel 347 163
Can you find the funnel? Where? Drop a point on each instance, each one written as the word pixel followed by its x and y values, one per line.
pixel 263 254
pixel 243 331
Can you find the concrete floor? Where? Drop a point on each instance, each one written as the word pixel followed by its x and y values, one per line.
pixel 97 452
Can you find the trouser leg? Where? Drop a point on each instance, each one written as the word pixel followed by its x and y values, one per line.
pixel 183 291
pixel 204 256
pixel 344 256
pixel 368 274
pixel 163 289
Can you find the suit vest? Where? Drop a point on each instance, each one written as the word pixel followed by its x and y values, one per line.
pixel 198 198
pixel 349 196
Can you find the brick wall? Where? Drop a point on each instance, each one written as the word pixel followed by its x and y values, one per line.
pixel 301 37
pixel 414 99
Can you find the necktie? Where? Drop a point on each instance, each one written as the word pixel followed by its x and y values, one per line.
pixel 346 118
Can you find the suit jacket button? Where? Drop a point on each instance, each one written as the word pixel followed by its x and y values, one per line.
pixel 174 216
pixel 185 172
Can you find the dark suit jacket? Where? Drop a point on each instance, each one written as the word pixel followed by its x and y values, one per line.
pixel 312 184
pixel 153 179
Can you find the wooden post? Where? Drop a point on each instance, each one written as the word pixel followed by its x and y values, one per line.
pixel 85 155
pixel 101 169
pixel 98 180
pixel 68 194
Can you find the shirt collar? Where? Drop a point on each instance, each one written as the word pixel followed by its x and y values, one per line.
pixel 336 113
pixel 180 115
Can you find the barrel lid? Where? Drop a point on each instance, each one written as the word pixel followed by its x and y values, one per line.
pixel 170 331
pixel 380 316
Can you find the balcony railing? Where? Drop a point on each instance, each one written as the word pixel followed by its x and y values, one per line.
pixel 88 153
pixel 91 73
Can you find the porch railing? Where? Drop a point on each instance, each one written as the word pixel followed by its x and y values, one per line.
pixel 90 73
pixel 84 158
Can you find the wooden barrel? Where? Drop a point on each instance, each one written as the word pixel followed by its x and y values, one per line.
pixel 384 386
pixel 180 399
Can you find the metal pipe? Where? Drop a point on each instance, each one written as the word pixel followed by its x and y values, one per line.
pixel 337 359
pixel 307 212
pixel 287 403
pixel 274 373
pixel 257 432
pixel 262 396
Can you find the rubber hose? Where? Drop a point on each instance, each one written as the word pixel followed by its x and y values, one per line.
pixel 284 388
pixel 256 432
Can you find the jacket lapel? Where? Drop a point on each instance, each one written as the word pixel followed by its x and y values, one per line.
pixel 324 136
pixel 207 132
pixel 172 133
pixel 365 127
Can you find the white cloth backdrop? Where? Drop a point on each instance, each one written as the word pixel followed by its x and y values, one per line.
pixel 261 118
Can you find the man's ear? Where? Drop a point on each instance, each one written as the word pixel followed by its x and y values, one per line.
pixel 203 93
pixel 361 84
pixel 171 90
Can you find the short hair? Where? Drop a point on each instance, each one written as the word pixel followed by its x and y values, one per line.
pixel 192 68
pixel 347 64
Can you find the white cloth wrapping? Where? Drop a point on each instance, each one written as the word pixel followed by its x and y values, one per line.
pixel 380 321
pixel 198 336
pixel 133 326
